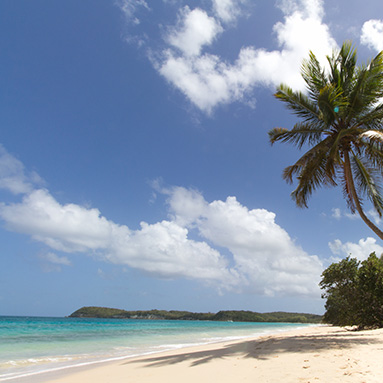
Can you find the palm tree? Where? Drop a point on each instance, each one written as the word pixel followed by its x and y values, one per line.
pixel 341 118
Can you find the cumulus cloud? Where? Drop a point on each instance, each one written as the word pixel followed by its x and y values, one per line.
pixel 208 81
pixel 202 80
pixel 67 228
pixel 258 255
pixel 194 30
pixel 262 251
pixel 163 248
pixel 360 250
pixel 372 34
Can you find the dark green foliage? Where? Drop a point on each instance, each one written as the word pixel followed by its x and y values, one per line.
pixel 239 316
pixel 339 281
pixel 371 291
pixel 235 316
pixel 354 292
pixel 98 312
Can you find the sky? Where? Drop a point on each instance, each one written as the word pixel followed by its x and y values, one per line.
pixel 135 166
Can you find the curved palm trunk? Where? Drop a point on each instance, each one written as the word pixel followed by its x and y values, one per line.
pixel 351 185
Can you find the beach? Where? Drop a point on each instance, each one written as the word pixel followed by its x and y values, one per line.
pixel 37 345
pixel 312 354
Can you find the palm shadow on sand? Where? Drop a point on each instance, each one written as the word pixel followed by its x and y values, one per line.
pixel 265 348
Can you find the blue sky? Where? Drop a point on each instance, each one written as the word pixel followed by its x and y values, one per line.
pixel 135 168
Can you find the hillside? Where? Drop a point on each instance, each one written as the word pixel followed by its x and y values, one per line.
pixel 235 316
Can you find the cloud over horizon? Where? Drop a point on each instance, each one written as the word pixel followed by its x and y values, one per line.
pixel 258 255
pixel 360 250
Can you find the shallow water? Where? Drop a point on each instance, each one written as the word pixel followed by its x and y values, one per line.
pixel 30 345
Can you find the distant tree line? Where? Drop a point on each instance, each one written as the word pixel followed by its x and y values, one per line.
pixel 235 316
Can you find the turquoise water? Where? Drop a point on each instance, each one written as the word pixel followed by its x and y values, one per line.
pixel 30 345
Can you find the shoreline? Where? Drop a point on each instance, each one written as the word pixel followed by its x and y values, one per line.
pixel 311 354
pixel 63 361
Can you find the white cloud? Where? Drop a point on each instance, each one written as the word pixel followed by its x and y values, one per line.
pixel 207 81
pixel 303 30
pixel 263 252
pixel 162 249
pixel 339 214
pixel 228 10
pixel 372 34
pixel 186 205
pixel 352 216
pixel 259 255
pixel 130 8
pixel 54 258
pixel 360 250
pixel 336 213
pixel 373 214
pixel 66 228
pixel 202 79
pixel 308 8
pixel 53 262
pixel 193 30
pixel 13 176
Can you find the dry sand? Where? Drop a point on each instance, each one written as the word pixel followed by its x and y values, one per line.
pixel 316 354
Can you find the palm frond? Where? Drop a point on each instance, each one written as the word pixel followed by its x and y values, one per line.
pixel 375 156
pixel 330 98
pixel 373 81
pixel 300 135
pixel 313 75
pixel 371 142
pixel 347 63
pixel 369 118
pixel 366 182
pixel 299 103
pixel 342 66
pixel 373 151
pixel 373 135
pixel 367 89
pixel 334 153
pixel 311 177
pixel 312 171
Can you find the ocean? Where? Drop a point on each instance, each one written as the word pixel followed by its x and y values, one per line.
pixel 32 345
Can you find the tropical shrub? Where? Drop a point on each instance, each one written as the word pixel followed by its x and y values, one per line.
pixel 354 292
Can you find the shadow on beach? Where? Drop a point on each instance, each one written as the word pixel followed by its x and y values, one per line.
pixel 267 347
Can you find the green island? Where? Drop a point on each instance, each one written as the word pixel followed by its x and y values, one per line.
pixel 235 316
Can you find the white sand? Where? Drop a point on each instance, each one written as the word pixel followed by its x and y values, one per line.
pixel 316 354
